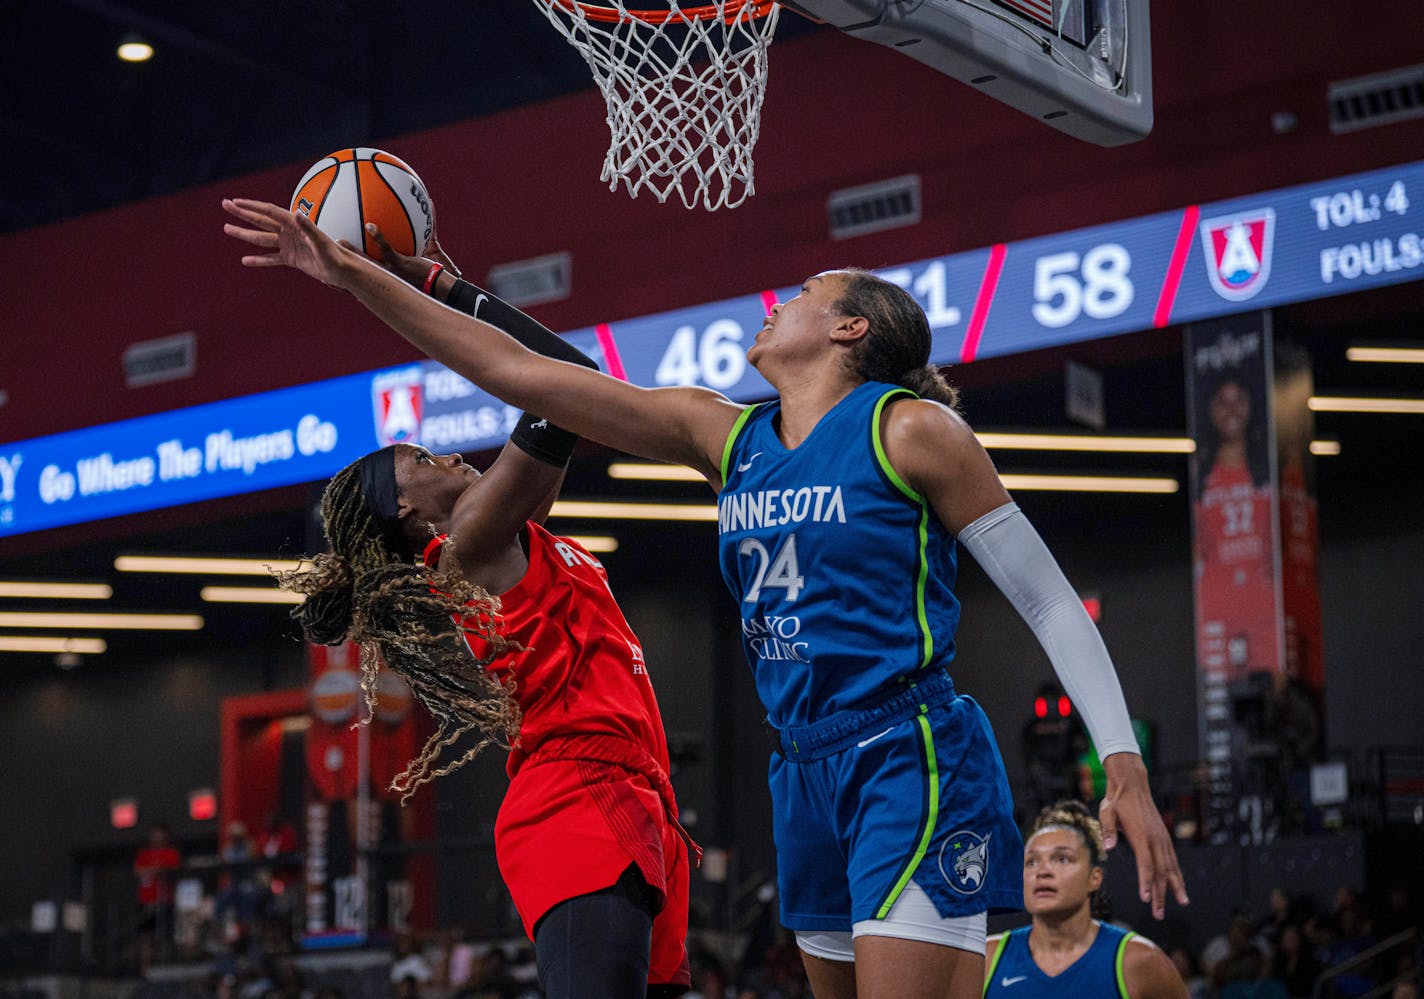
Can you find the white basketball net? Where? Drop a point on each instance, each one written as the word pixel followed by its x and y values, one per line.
pixel 683 94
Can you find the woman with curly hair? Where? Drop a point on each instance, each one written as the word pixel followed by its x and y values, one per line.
pixel 1066 951
pixel 509 634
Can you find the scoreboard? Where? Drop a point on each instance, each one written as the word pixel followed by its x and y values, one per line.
pixel 1289 245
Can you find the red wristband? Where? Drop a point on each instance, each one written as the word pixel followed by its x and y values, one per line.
pixel 435 270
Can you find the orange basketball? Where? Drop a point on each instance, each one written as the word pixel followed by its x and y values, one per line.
pixel 350 187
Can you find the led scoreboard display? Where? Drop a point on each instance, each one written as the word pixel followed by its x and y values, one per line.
pixel 1289 245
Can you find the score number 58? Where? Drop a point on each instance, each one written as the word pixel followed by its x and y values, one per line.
pixel 1096 284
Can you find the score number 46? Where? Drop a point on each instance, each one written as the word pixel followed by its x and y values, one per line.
pixel 715 359
pixel 1066 286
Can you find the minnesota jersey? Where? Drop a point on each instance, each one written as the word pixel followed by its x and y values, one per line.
pixel 1013 974
pixel 843 574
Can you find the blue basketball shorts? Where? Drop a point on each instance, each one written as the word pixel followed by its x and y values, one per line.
pixel 913 788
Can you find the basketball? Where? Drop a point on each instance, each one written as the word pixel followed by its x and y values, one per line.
pixel 350 187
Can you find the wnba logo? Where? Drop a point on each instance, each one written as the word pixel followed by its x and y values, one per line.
pixel 397 403
pixel 1238 253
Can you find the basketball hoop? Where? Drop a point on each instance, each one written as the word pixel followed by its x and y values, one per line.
pixel 683 87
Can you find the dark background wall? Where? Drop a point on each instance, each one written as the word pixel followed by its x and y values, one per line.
pixel 142 720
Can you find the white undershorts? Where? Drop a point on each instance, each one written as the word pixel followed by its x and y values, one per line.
pixel 912 917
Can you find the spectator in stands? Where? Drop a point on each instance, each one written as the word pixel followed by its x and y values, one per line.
pixel 1401 912
pixel 155 866
pixel 709 977
pixel 408 962
pixel 1186 964
pixel 278 846
pixel 1295 963
pixel 1221 947
pixel 491 978
pixel 236 904
pixel 1247 976
pixel 1355 937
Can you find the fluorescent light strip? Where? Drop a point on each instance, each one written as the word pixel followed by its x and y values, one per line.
pixel 1325 448
pixel 597 510
pixel 36 643
pixel 1396 355
pixel 595 542
pixel 136 622
pixel 249 595
pixel 27 643
pixel 1085 442
pixel 652 473
pixel 993 440
pixel 55 591
pixel 1090 483
pixel 1348 404
pixel 203 566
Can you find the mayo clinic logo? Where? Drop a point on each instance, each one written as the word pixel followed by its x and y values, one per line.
pixel 1237 249
pixel 397 403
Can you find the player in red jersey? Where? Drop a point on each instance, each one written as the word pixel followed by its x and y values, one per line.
pixel 425 548
pixel 1235 552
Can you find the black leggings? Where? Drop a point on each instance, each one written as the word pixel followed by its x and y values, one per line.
pixel 596 946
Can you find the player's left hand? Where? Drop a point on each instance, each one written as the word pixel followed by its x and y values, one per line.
pixel 1128 806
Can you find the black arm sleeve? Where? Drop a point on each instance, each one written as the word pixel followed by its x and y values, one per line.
pixel 535 437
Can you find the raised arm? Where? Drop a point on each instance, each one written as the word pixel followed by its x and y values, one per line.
pixel 937 454
pixel 683 425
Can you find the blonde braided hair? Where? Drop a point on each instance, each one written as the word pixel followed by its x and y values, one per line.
pixel 412 618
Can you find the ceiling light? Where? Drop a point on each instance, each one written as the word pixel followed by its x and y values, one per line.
pixel 1347 404
pixel 138 622
pixel 595 542
pixel 1091 483
pixel 1325 448
pixel 653 473
pixel 55 591
pixel 634 511
pixel 132 48
pixel 1087 442
pixel 36 643
pixel 204 566
pixel 249 595
pixel 1397 355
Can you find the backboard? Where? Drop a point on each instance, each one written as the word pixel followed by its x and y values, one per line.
pixel 1082 66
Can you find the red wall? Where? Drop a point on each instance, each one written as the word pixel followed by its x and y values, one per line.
pixel 524 183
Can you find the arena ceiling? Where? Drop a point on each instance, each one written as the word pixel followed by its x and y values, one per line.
pixel 237 87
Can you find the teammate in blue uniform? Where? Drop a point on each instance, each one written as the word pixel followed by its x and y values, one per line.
pixel 891 805
pixel 1066 952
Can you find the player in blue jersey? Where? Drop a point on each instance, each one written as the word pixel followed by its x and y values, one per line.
pixel 843 503
pixel 1066 951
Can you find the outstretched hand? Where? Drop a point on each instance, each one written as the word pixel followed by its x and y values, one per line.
pixel 1128 806
pixel 289 239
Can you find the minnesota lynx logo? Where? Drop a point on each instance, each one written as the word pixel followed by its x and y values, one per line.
pixel 964 861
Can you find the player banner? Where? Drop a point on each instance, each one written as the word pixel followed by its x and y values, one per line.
pixel 352 814
pixel 1254 543
pixel 1235 546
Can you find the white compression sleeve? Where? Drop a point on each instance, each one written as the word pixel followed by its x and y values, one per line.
pixel 1020 564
